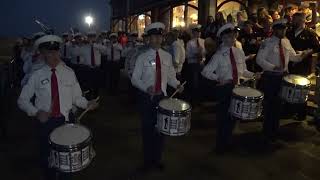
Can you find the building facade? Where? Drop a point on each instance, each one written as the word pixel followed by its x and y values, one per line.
pixel 134 15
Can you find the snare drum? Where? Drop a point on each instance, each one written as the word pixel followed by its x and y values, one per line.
pixel 295 89
pixel 71 148
pixel 246 103
pixel 174 117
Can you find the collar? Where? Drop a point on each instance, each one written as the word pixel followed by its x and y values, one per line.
pixel 298 31
pixel 275 38
pixel 58 67
pixel 223 46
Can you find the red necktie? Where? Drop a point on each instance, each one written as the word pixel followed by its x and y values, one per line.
pixel 112 52
pixel 281 52
pixel 234 68
pixel 93 63
pixel 65 51
pixel 158 74
pixel 55 102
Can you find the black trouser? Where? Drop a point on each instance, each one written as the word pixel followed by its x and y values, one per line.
pixel 93 81
pixel 194 70
pixel 44 132
pixel 225 123
pixel 153 141
pixel 113 76
pixel 104 69
pixel 271 86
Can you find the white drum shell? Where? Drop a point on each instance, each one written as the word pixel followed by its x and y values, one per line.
pixel 74 157
pixel 295 89
pixel 172 120
pixel 246 103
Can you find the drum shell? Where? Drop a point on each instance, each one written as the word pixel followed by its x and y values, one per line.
pixel 294 87
pixel 251 100
pixel 70 150
pixel 174 116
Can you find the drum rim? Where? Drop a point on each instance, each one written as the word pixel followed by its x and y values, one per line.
pixel 248 97
pixel 174 112
pixel 85 143
pixel 297 85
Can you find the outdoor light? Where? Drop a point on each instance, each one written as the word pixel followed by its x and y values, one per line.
pixel 88 20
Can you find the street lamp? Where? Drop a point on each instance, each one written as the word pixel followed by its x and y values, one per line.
pixel 88 20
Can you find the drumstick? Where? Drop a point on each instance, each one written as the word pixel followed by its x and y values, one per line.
pixel 88 109
pixel 177 90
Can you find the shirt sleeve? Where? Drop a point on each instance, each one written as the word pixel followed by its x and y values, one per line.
pixel 262 58
pixel 172 78
pixel 209 71
pixel 189 50
pixel 293 56
pixel 27 93
pixel 176 54
pixel 245 72
pixel 136 79
pixel 77 99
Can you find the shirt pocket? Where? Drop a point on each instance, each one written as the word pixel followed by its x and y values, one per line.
pixel 149 68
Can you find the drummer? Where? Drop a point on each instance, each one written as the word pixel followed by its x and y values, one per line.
pixel 273 57
pixel 151 74
pixel 52 104
pixel 226 67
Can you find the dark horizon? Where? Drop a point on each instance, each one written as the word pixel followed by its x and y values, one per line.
pixel 60 15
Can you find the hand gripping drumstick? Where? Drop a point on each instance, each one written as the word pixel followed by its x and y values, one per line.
pixel 88 109
pixel 177 90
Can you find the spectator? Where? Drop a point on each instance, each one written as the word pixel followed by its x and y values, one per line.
pixel 210 27
pixel 274 14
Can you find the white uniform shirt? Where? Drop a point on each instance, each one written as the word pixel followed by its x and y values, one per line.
pixel 39 85
pixel 220 68
pixel 31 65
pixel 117 50
pixel 144 73
pixel 269 55
pixel 67 46
pixel 86 53
pixel 131 58
pixel 179 55
pixel 75 52
pixel 192 50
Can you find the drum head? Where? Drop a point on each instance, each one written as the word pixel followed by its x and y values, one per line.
pixel 70 134
pixel 247 92
pixel 296 79
pixel 174 104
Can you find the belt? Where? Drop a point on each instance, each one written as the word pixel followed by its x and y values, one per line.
pixel 274 73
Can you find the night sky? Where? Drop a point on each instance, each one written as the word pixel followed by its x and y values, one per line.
pixel 18 15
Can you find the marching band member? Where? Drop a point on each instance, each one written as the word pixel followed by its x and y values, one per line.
pixel 56 89
pixel 33 61
pixel 152 73
pixel 226 67
pixel 302 38
pixel 92 59
pixel 177 51
pixel 273 57
pixel 65 48
pixel 195 53
pixel 113 63
pixel 134 53
pixel 75 50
